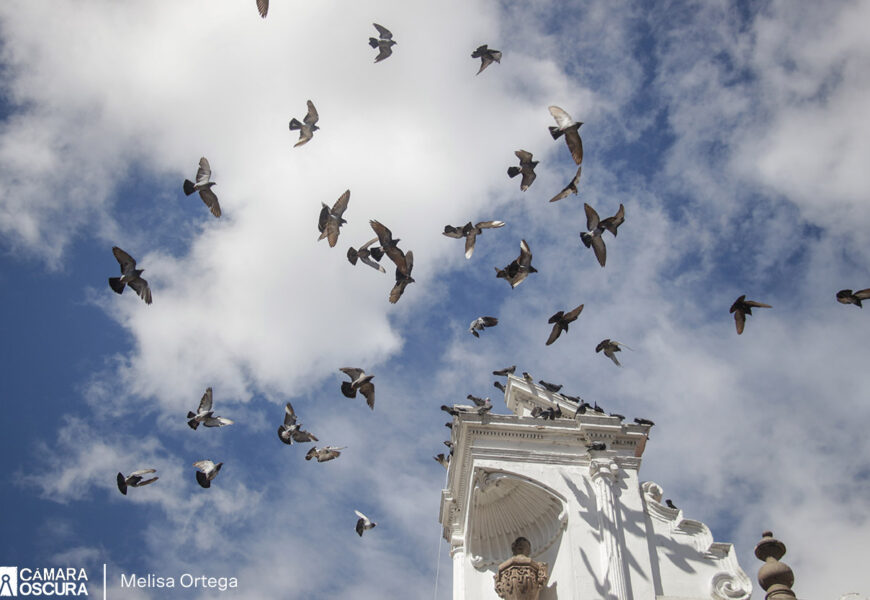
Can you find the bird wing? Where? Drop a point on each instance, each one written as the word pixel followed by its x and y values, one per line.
pixel 755 304
pixel 204 465
pixel 368 243
pixel 453 232
pixel 125 260
pixel 140 286
pixel 612 223
pixel 372 264
pixel 385 236
pixel 368 391
pixel 469 243
pixel 263 7
pixel 490 321
pixel 408 263
pixel 525 258
pixel 489 224
pixel 554 334
pixel 217 422
pixel 203 174
pixel 572 316
pixel 341 204
pixel 602 345
pixel 523 155
pixel 592 218
pixel 480 51
pixel 353 372
pixel 384 52
pixel 147 481
pixel 739 320
pixel 305 134
pixel 385 33
pixel 332 230
pixel 862 294
pixel 312 116
pixel 289 415
pixel 563 119
pixel 568 189
pixel 575 144
pixel 142 472
pixel 206 401
pixel 737 303
pixel 211 200
pixel 599 248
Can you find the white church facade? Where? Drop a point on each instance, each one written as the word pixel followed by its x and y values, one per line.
pixel 594 530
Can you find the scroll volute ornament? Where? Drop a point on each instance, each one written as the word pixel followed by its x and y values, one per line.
pixel 520 577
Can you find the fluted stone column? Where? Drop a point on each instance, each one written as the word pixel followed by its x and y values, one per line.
pixel 605 474
pixel 774 576
pixel 520 577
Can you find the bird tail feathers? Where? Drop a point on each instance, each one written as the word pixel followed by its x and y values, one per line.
pixel 555 132
pixel 116 285
pixel 513 171
pixel 189 188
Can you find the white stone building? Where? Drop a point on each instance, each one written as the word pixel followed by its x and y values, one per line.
pixel 602 532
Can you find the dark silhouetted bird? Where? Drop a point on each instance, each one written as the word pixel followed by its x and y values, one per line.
pixel 551 413
pixel 384 45
pixel 366 254
pixel 203 185
pixel 291 431
pixel 442 460
pixel 308 125
pixel 470 233
pixel 571 188
pixel 611 224
pixel 520 268
pixel 505 372
pixel 205 415
pixel 207 472
pixel 743 307
pixel 263 7
pixel 671 504
pixel 324 454
pixel 592 237
pixel 481 323
pixel 610 347
pixel 550 387
pixel 331 219
pixel 358 381
pixel 486 57
pixel 560 322
pixel 135 479
pixel 500 386
pixel 404 261
pixel 527 168
pixel 568 127
pixel 596 446
pixel 130 275
pixel 363 523
pixel 850 297
pixel 640 421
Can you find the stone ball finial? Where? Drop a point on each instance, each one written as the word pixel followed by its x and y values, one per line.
pixel 521 546
pixel 774 576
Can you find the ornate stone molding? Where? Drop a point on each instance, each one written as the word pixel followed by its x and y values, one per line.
pixel 520 577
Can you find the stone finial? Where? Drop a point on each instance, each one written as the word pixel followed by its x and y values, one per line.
pixel 774 576
pixel 520 577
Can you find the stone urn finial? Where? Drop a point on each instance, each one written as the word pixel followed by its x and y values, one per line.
pixel 774 576
pixel 520 577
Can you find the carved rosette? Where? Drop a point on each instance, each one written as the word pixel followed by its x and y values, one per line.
pixel 520 578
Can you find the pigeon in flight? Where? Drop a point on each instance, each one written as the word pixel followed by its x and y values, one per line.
pixel 481 406
pixel 610 347
pixel 486 56
pixel 470 233
pixel 307 127
pixel 130 275
pixel 560 322
pixel 366 254
pixel 743 307
pixel 135 479
pixel 481 323
pixel 290 431
pixel 203 185
pixel 205 415
pixel 592 237
pixel 404 262
pixel 442 460
pixel 520 268
pixel 207 471
pixel 550 387
pixel 568 189
pixel 363 523
pixel 849 297
pixel 527 168
pixel 331 219
pixel 263 7
pixel 324 454
pixel 505 372
pixel 570 129
pixel 384 45
pixel 403 277
pixel 358 381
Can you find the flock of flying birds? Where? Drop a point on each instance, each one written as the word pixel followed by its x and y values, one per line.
pixel 329 224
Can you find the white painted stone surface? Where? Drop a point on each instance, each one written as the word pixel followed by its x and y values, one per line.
pixel 603 533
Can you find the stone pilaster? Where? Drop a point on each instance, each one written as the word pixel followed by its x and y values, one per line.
pixel 605 475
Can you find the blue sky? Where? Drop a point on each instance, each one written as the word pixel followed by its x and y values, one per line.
pixel 735 137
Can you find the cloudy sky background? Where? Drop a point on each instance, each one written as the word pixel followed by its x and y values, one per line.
pixel 735 134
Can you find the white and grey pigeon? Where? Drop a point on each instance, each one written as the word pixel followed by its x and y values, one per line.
pixel 470 233
pixel 527 168
pixel 205 415
pixel 307 127
pixel 487 56
pixel 363 523
pixel 384 44
pixel 359 381
pixel 324 454
pixel 568 127
pixel 367 255
pixel 203 185
pixel 481 323
pixel 207 472
pixel 135 479
pixel 130 275
pixel 291 431
pixel 331 219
